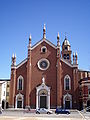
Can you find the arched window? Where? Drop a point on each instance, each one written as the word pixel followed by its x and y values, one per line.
pixel 67 82
pixel 44 49
pixel 64 56
pixel 20 83
pixel 68 56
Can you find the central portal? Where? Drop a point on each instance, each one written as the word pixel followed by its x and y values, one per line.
pixel 43 101
pixel 43 96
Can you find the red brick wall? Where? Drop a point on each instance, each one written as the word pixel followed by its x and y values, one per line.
pixel 22 70
pixel 49 74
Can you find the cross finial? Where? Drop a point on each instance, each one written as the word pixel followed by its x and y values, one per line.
pixel 58 36
pixel 44 32
pixel 30 40
pixel 30 37
pixel 44 27
pixel 13 55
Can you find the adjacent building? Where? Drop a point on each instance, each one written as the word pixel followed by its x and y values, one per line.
pixel 4 92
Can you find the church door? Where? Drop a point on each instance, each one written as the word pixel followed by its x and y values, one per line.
pixel 19 104
pixel 67 104
pixel 88 103
pixel 42 101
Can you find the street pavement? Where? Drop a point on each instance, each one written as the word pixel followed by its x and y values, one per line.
pixel 31 115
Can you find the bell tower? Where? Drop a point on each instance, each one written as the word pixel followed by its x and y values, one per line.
pixel 66 50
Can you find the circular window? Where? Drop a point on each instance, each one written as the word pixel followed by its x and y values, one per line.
pixel 43 64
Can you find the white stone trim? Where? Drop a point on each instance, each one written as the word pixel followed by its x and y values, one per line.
pixel 66 62
pixel 86 75
pixel 85 84
pixel 44 41
pixel 22 97
pixel 89 74
pixel 44 48
pixel 43 59
pixel 20 77
pixel 40 88
pixel 19 65
pixel 67 76
pixel 70 96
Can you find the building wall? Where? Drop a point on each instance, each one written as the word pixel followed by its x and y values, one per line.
pixel 21 71
pixel 0 93
pixel 3 94
pixel 7 91
pixel 49 74
pixel 3 85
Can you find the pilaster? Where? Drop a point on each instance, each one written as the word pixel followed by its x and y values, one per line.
pixel 59 85
pixel 28 83
pixel 75 88
pixel 12 82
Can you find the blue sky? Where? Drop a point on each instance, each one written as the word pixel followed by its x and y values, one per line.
pixel 19 18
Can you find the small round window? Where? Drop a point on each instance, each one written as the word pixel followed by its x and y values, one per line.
pixel 43 64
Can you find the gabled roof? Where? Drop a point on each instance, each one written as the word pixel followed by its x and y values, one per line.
pixel 20 64
pixel 45 40
pixel 67 63
pixel 34 46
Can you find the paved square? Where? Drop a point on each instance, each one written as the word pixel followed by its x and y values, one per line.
pixel 24 115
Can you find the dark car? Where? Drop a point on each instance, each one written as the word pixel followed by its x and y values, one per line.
pixel 88 109
pixel 62 111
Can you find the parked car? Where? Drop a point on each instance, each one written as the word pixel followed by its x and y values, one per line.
pixel 88 109
pixel 43 111
pixel 62 111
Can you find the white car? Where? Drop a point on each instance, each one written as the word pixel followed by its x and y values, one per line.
pixel 43 111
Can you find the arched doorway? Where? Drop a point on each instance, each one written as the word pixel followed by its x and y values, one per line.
pixel 43 96
pixel 67 101
pixel 19 101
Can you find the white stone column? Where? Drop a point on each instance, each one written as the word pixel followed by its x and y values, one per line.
pixel 16 102
pixel 48 100
pixel 37 100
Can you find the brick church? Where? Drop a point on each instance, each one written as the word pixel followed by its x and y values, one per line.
pixel 49 78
